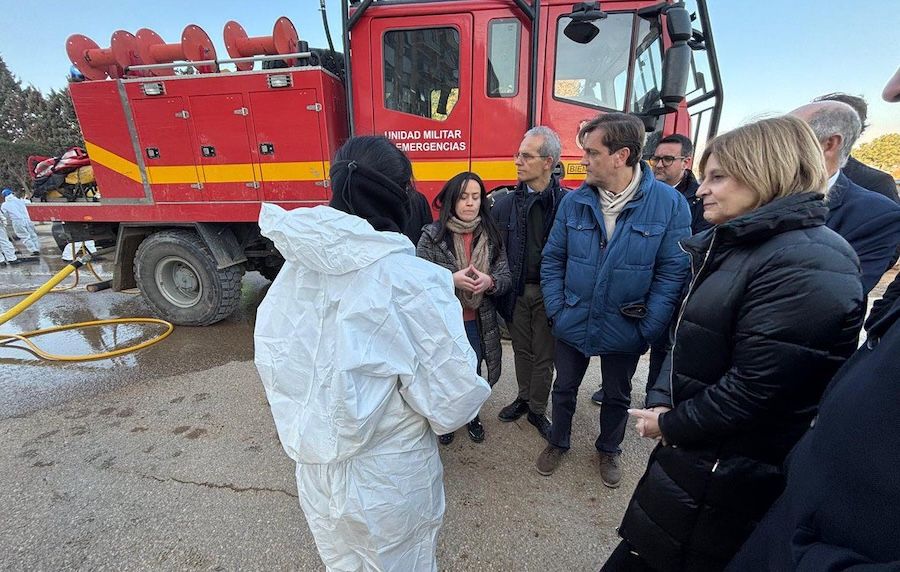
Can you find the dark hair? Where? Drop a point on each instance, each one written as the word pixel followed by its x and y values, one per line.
pixel 370 178
pixel 445 204
pixel 687 148
pixel 380 154
pixel 858 104
pixel 620 131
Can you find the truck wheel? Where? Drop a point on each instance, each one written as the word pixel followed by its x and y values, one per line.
pixel 177 275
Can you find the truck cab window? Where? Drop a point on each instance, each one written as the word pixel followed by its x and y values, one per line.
pixel 595 74
pixel 503 57
pixel 421 71
pixel 648 68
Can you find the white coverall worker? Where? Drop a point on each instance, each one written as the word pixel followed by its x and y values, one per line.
pixel 364 358
pixel 7 249
pixel 15 209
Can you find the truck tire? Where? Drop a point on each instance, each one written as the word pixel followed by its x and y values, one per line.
pixel 178 276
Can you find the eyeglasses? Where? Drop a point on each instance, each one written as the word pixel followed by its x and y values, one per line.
pixel 666 160
pixel 528 156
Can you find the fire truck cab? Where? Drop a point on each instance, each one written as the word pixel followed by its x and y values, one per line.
pixel 184 160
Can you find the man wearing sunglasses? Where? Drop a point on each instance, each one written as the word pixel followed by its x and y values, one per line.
pixel 671 162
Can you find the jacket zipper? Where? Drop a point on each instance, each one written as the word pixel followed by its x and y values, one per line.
pixel 683 306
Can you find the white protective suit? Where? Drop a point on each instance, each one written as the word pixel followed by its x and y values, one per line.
pixel 73 249
pixel 15 209
pixel 7 249
pixel 363 354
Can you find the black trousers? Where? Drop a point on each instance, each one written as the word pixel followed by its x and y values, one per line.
pixel 658 352
pixel 617 371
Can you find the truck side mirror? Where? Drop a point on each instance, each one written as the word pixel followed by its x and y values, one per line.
pixel 582 29
pixel 677 63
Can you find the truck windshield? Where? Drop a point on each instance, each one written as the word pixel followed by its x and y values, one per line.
pixel 596 74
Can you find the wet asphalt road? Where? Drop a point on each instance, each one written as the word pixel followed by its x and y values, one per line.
pixel 186 350
pixel 168 458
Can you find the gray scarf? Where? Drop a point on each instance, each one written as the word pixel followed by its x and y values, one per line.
pixel 480 258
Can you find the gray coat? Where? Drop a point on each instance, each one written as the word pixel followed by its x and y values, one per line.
pixel 439 252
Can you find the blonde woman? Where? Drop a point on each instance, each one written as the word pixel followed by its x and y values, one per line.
pixel 773 309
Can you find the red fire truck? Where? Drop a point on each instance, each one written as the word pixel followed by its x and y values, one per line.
pixel 184 151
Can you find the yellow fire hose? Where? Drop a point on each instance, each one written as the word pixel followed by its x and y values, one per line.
pixel 47 288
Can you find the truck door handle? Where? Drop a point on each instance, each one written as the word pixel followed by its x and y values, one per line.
pixel 266 149
pixel 207 150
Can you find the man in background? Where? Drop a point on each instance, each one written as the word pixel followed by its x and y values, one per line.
pixel 868 221
pixel 858 172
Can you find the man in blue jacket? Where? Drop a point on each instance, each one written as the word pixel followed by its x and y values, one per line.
pixel 868 221
pixel 611 275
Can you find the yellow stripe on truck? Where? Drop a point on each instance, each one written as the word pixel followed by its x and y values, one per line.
pixel 171 175
pixel 438 170
pixel 431 171
pixel 235 173
pixel 297 171
pixel 495 170
pixel 112 161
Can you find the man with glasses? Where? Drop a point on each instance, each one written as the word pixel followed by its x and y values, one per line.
pixel 671 163
pixel 524 218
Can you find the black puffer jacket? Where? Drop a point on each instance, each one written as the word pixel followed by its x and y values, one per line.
pixel 441 253
pixel 774 308
pixel 839 510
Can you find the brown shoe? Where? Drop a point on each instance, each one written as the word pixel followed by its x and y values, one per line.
pixel 610 471
pixel 549 460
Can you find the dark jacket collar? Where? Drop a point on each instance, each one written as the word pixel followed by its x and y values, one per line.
pixel 801 210
pixel 688 185
pixel 522 188
pixel 838 192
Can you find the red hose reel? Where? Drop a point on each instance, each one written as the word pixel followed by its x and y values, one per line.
pixel 146 47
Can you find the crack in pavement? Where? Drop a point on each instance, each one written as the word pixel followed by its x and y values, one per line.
pixel 228 486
